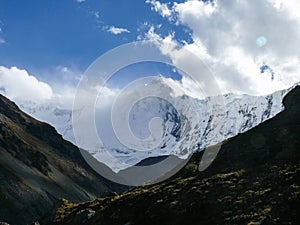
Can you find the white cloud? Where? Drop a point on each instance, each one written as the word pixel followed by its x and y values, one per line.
pixel 224 35
pixel 64 69
pixel 97 15
pixel 116 30
pixel 80 1
pixel 18 84
pixel 151 35
pixel 292 7
pixel 21 87
pixel 161 8
pixel 2 40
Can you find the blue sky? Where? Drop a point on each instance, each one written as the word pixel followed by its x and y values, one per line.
pixel 42 35
pixel 142 69
pixel 52 42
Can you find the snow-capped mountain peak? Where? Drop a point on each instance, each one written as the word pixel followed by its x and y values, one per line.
pixel 189 124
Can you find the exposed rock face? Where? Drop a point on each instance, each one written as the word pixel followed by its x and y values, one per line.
pixel 37 167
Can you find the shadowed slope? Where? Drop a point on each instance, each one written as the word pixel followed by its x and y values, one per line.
pixel 255 179
pixel 37 167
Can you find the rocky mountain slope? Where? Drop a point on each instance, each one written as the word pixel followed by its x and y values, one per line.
pixel 240 113
pixel 255 179
pixel 38 167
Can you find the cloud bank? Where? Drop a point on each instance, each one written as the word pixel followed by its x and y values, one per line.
pixel 225 34
pixel 18 84
pixel 22 88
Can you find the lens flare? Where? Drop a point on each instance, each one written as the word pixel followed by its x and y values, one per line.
pixel 261 41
